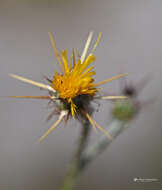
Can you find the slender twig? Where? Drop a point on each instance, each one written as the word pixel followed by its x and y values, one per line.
pixel 75 166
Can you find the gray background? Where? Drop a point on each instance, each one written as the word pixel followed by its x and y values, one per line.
pixel 131 42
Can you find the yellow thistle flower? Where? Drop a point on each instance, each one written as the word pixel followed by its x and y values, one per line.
pixel 76 80
pixel 74 87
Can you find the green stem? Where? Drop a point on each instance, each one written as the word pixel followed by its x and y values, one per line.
pixel 115 128
pixel 75 166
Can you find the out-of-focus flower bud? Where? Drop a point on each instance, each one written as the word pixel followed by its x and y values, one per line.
pixel 127 109
pixel 124 110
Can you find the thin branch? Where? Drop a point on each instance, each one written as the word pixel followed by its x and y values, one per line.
pixel 74 169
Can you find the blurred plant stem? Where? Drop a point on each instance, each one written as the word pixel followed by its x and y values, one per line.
pixel 75 166
pixel 115 128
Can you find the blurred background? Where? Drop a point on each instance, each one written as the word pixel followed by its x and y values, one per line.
pixel 131 43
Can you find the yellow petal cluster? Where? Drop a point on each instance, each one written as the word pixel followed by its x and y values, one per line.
pixel 76 80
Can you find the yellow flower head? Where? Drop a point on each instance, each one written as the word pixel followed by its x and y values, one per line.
pixel 75 80
pixel 73 87
pixel 76 77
